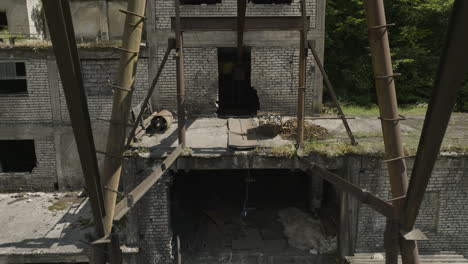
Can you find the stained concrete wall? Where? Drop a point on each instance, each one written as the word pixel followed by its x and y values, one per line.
pixel 42 115
pixel 21 15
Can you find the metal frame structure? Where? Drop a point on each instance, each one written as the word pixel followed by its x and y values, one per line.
pixel 401 211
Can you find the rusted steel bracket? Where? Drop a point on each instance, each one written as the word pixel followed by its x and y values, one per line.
pixel 126 50
pixel 392 119
pixel 125 205
pixel 113 86
pixel 414 234
pixel 399 158
pixel 131 13
pixel 388 76
pixel 382 26
pixel 384 208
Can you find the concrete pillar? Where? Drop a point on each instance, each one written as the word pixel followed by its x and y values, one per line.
pixel 318 35
pixel 315 193
pixel 155 234
pixel 54 89
pixel 104 20
pixel 349 207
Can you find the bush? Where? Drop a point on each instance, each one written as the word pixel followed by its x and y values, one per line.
pixel 416 42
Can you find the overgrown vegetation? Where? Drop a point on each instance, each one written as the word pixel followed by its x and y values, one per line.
pixel 416 42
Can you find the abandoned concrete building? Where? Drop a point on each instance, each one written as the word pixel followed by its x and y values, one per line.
pixel 222 204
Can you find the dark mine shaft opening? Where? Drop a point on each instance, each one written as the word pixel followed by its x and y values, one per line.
pixel 236 95
pixel 217 213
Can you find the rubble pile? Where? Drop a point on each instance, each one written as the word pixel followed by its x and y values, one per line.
pixel 304 232
pixel 311 132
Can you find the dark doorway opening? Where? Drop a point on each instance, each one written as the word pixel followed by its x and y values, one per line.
pixel 3 21
pixel 236 95
pixel 241 213
pixel 17 156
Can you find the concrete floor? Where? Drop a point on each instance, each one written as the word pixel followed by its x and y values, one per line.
pixel 43 224
pixel 209 136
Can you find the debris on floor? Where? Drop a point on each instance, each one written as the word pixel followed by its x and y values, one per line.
pixel 304 232
pixel 311 131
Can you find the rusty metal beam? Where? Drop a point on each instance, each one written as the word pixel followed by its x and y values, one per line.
pixel 379 205
pixel 283 23
pixel 170 46
pixel 181 118
pixel 121 105
pixel 389 116
pixel 329 86
pixel 302 79
pixel 62 34
pixel 451 73
pixel 124 205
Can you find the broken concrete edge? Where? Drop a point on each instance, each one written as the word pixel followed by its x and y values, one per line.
pixel 130 254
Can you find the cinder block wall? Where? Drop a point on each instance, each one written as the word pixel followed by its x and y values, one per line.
pixel 42 115
pixel 274 68
pixel 443 214
pixel 34 107
pixel 274 75
pixel 165 10
pixel 98 90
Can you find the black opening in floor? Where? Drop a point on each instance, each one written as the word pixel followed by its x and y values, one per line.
pixel 245 212
pixel 236 95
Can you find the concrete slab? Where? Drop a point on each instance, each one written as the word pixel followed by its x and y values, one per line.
pixel 42 224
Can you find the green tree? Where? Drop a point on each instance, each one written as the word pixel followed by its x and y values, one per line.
pixel 415 41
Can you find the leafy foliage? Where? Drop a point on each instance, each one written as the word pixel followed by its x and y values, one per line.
pixel 416 42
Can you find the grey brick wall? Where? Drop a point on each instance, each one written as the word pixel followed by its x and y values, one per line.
pixel 443 214
pixel 42 178
pixel 201 81
pixel 154 224
pixel 274 74
pixel 165 9
pixel 35 107
pixel 95 73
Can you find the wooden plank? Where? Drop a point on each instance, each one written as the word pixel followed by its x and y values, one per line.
pixel 238 136
pixel 283 23
pixel 122 207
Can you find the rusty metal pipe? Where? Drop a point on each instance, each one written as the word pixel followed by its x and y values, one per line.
pixel 112 167
pixel 387 101
pixel 302 79
pixel 181 119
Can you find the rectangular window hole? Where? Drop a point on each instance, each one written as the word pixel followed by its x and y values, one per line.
pixel 13 78
pixel 17 156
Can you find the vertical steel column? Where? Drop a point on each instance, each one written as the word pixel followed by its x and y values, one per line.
pixel 451 73
pixel 387 101
pixel 112 167
pixel 180 77
pixel 302 79
pixel 60 24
